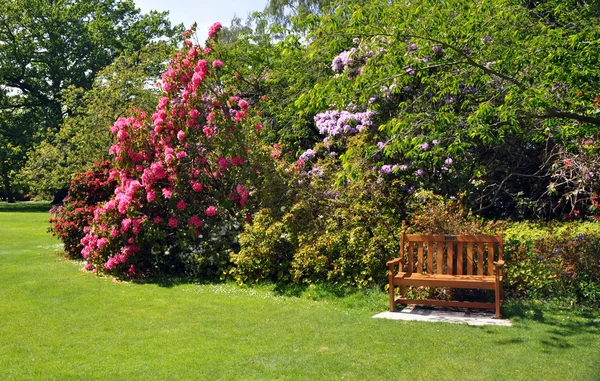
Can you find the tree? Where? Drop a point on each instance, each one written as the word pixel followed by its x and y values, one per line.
pixel 84 138
pixel 48 46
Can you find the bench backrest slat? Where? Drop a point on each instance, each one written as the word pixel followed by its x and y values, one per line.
pixel 491 259
pixel 440 258
pixel 430 254
pixel 420 261
pixel 459 258
pixel 473 254
pixel 480 259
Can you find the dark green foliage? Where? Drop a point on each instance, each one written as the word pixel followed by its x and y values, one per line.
pixel 49 46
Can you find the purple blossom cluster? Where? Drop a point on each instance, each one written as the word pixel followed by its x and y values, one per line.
pixel 336 123
pixel 352 60
pixel 307 155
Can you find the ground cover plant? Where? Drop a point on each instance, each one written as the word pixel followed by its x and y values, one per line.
pixel 57 322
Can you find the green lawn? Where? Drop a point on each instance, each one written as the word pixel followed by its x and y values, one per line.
pixel 57 322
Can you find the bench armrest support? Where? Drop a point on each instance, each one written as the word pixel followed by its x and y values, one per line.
pixel 391 264
pixel 499 267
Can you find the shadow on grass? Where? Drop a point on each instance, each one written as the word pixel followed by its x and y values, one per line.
pixel 564 328
pixel 25 206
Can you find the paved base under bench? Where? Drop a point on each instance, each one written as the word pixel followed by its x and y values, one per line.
pixel 412 313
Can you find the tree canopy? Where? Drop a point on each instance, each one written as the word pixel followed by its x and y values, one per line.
pixel 49 46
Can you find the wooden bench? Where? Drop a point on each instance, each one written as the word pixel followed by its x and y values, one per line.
pixel 455 261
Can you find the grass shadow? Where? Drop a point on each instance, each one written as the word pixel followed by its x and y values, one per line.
pixel 563 327
pixel 25 206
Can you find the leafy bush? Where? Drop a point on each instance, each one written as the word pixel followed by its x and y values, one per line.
pixel 87 189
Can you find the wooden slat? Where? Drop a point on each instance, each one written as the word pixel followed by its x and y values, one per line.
pixel 459 259
pixel 447 303
pixel 490 259
pixel 430 252
pixel 452 281
pixel 411 252
pixel 453 238
pixel 500 249
pixel 470 258
pixel 420 260
pixel 440 258
pixel 480 258
pixel 450 252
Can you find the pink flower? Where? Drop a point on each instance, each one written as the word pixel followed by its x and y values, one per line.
pixel 181 155
pixel 223 163
pixel 125 224
pixel 131 271
pixel 217 63
pixel 150 196
pixel 122 135
pixel 88 266
pixel 158 220
pixel 214 29
pixel 173 222
pixel 167 192
pixel 181 136
pixel 237 161
pixel 102 242
pixel 197 187
pixel 243 104
pixel 208 131
pixel 195 221
pixel 194 113
pixel 114 232
pixel 181 205
pixel 211 211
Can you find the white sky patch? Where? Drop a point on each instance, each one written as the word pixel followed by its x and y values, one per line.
pixel 203 12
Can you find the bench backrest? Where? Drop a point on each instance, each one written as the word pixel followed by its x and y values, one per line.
pixel 450 254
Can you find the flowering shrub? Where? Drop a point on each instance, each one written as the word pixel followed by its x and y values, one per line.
pixel 69 220
pixel 185 175
pixel 554 261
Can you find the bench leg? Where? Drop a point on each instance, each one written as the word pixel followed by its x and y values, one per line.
pixel 392 298
pixel 499 292
pixel 402 291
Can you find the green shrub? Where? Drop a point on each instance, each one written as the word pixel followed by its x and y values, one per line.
pixel 554 261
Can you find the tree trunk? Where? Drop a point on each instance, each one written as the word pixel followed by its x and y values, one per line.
pixel 7 189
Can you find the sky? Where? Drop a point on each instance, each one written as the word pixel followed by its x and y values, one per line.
pixel 204 12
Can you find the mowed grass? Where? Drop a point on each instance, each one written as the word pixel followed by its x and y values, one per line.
pixel 57 322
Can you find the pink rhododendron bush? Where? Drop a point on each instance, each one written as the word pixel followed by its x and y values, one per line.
pixel 185 175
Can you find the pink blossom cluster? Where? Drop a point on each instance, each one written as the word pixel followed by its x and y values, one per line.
pixel 176 168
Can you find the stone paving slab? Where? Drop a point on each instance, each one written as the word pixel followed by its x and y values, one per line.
pixel 412 313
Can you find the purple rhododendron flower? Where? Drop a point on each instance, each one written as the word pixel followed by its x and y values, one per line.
pixel 386 169
pixel 307 155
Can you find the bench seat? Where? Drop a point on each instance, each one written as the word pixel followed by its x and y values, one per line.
pixel 443 280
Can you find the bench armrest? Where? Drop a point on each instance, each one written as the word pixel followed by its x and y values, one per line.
pixel 393 262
